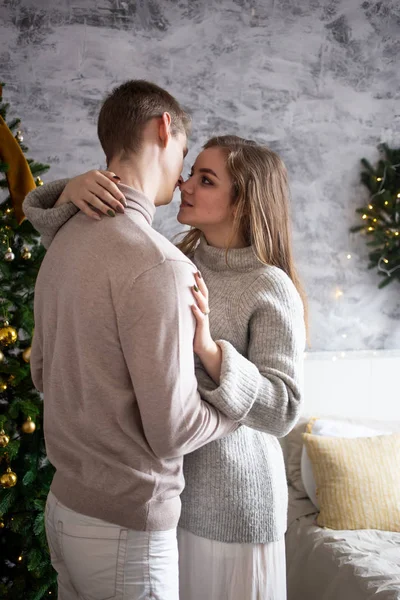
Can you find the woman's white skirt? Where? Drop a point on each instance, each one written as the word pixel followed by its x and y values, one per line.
pixel 210 570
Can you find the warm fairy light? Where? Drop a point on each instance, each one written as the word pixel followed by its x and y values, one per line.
pixel 349 256
pixel 19 558
pixel 379 178
pixel 386 202
pixel 375 220
pixel 398 195
pixel 385 260
pixel 396 233
pixel 370 228
pixel 338 294
pixel 370 206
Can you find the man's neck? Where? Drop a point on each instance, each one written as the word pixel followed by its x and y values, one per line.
pixel 137 174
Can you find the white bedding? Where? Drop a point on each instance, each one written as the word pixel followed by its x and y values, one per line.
pixel 338 565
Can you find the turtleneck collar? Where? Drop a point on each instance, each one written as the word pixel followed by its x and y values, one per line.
pixel 139 202
pixel 239 259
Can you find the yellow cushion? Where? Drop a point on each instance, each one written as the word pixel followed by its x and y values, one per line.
pixel 358 481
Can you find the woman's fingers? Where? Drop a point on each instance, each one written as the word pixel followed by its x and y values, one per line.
pixel 85 205
pixel 201 285
pixel 201 300
pixel 104 201
pixel 107 190
pixel 198 314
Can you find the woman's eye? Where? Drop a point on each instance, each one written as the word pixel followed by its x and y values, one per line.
pixel 206 181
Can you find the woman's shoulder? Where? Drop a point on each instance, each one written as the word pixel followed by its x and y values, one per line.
pixel 272 284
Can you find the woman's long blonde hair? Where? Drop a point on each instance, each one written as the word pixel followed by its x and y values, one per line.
pixel 261 200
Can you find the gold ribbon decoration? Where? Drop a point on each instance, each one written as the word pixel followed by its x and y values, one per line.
pixel 19 177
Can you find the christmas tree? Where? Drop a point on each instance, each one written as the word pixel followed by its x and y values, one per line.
pixel 381 215
pixel 25 472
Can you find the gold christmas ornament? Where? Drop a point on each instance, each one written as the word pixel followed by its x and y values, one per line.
pixel 9 255
pixel 39 181
pixel 28 426
pixel 8 335
pixel 26 255
pixel 19 137
pixel 8 479
pixel 26 355
pixel 4 439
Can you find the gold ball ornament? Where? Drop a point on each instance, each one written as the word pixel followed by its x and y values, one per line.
pixel 19 136
pixel 8 335
pixel 26 355
pixel 28 426
pixel 8 479
pixel 39 181
pixel 9 255
pixel 26 255
pixel 4 439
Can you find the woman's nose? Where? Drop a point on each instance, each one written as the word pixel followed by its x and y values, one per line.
pixel 179 182
pixel 185 185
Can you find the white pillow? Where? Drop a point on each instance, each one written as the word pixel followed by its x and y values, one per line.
pixel 330 428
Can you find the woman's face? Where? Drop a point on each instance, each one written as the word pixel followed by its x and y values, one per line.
pixel 206 196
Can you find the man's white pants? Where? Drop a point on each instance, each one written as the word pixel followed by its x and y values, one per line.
pixel 96 560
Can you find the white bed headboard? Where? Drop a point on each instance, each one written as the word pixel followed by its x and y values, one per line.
pixel 353 384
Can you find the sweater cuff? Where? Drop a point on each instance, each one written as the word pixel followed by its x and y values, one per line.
pixel 39 209
pixel 238 387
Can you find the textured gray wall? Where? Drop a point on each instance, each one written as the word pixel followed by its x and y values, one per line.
pixel 316 80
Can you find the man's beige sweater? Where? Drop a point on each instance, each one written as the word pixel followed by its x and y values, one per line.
pixel 113 353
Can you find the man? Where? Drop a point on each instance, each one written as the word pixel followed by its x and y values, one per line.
pixel 112 352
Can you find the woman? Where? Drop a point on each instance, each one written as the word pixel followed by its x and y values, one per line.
pixel 249 342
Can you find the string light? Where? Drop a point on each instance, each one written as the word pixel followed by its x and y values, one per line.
pixel 385 260
pixel 370 206
pixel 370 229
pixel 364 216
pixel 379 178
pixel 338 294
pixel 349 256
pixel 19 558
pixel 398 195
pixel 386 202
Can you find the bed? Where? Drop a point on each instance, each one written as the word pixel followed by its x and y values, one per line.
pixel 325 564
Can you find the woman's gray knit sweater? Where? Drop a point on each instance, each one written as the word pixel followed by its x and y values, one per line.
pixel 235 487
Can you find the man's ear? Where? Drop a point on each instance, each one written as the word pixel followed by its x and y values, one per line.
pixel 164 128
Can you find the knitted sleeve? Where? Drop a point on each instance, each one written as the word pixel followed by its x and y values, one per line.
pixel 263 390
pixel 38 208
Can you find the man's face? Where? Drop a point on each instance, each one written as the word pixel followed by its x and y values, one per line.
pixel 173 158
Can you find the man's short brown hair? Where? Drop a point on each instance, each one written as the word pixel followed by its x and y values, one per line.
pixel 128 108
